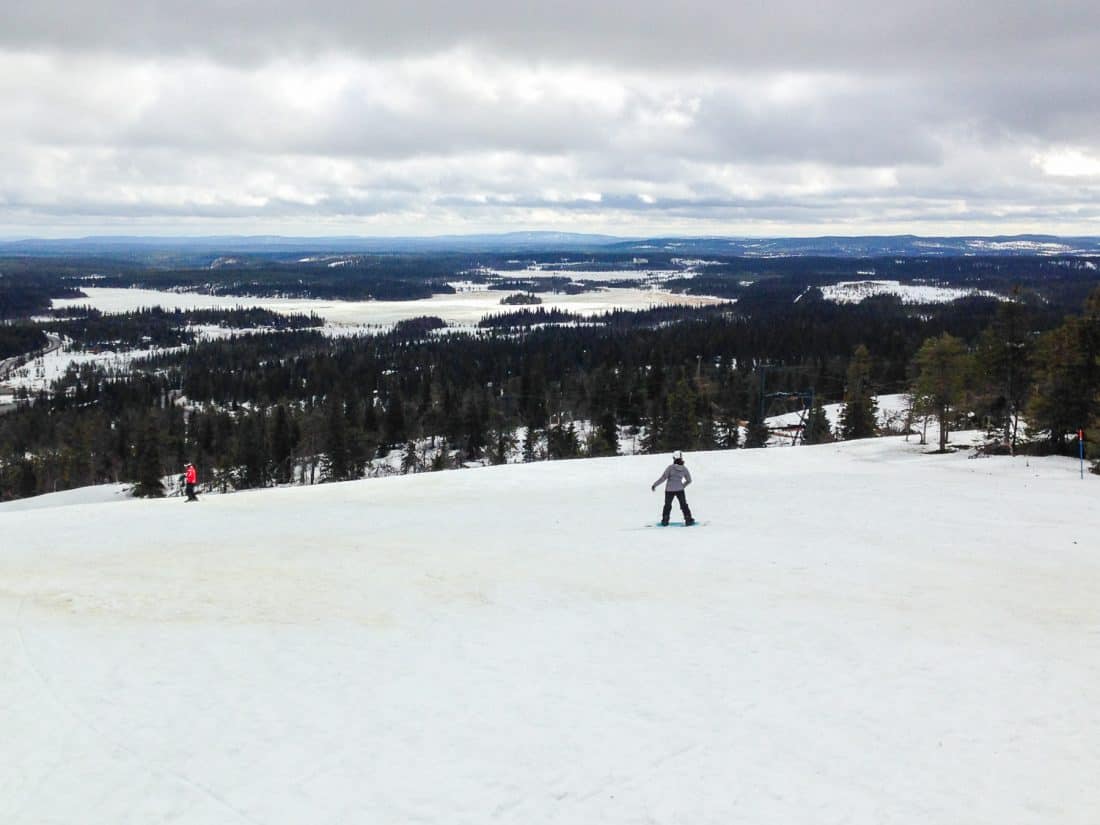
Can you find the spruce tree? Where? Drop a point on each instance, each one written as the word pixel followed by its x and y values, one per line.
pixel 531 440
pixel 500 443
pixel 28 479
pixel 336 442
pixel 393 422
pixel 149 484
pixel 731 434
pixel 410 463
pixel 605 440
pixel 282 447
pixel 756 432
pixel 681 430
pixel 859 417
pixel 251 456
pixel 562 441
pixel 653 439
pixel 816 429
pixel 474 426
pixel 442 459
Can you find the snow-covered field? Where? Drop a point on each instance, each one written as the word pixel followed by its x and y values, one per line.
pixel 647 276
pixel 862 633
pixel 40 373
pixel 854 292
pixel 460 308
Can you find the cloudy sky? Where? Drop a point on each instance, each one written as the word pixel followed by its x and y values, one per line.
pixel 698 117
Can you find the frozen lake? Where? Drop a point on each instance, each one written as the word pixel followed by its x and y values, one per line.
pixel 467 307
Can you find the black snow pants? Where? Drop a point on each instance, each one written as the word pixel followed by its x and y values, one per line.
pixel 191 493
pixel 682 498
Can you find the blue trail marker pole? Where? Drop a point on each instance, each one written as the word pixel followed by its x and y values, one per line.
pixel 1081 450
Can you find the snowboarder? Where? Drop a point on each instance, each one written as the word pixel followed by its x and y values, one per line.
pixel 190 478
pixel 676 478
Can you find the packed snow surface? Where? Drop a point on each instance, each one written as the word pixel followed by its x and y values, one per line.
pixel 861 633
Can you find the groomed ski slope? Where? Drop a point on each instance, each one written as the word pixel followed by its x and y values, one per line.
pixel 862 634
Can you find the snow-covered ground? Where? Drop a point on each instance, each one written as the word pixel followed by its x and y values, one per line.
pixel 861 633
pixel 99 494
pixel 854 292
pixel 39 373
pixel 891 416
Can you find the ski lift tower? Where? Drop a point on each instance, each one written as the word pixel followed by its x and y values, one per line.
pixel 781 403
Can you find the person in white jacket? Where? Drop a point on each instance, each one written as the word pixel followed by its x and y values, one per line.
pixel 676 478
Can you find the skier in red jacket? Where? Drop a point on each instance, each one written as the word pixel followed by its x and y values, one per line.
pixel 190 479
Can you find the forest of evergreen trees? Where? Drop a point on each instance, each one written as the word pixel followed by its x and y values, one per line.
pixel 85 327
pixel 17 339
pixel 286 403
pixel 295 406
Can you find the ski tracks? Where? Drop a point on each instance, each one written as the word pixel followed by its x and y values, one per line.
pixel 112 743
pixel 602 789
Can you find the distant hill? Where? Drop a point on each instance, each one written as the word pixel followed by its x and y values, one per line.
pixel 537 241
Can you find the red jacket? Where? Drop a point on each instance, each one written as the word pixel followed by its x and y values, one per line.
pixel 191 476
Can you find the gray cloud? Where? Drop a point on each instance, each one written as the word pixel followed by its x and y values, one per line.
pixel 435 116
pixel 781 34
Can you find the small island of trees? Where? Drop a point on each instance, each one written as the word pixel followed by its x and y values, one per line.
pixel 521 299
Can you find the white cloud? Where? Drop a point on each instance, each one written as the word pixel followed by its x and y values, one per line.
pixel 1069 163
pixel 433 117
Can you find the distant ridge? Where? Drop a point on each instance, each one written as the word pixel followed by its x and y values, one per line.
pixel 545 241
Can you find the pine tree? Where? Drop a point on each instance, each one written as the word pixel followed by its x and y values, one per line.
pixel 1066 392
pixel 1004 355
pixel 942 366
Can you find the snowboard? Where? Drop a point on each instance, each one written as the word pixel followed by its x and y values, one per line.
pixel 696 523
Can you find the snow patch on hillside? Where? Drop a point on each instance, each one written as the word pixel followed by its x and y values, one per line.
pixel 854 292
